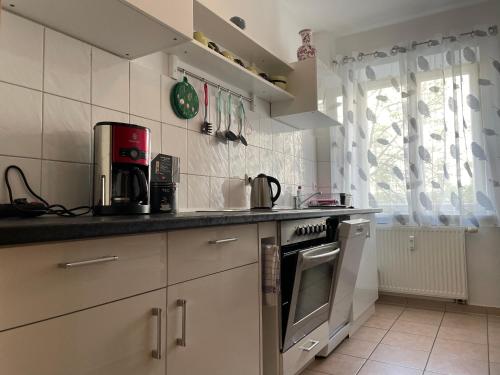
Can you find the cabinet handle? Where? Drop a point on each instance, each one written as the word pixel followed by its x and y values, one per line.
pixel 88 262
pixel 156 354
pixel 313 344
pixel 224 240
pixel 182 303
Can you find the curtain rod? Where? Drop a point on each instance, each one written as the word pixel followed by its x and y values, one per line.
pixel 492 30
pixel 213 84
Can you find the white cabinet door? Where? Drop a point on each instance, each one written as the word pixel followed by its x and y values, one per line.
pixel 113 339
pixel 219 324
pixel 366 292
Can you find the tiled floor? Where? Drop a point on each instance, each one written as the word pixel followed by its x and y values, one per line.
pixel 416 339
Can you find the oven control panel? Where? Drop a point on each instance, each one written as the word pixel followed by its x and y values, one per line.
pixel 293 231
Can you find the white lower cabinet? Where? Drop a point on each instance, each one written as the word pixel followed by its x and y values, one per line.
pixel 366 291
pixel 112 339
pixel 213 324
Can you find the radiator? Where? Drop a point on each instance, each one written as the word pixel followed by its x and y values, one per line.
pixel 432 264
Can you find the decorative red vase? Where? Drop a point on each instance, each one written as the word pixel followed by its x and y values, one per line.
pixel 306 50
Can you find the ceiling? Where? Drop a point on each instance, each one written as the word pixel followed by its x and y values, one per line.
pixel 343 17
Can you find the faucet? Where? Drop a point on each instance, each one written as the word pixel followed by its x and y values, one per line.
pixel 297 203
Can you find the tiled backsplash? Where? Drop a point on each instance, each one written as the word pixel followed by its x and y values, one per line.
pixel 54 88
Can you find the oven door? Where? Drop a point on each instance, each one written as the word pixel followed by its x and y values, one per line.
pixel 310 303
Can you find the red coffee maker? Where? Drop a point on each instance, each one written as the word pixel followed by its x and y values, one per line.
pixel 122 160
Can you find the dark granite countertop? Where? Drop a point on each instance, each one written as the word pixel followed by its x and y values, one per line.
pixel 41 229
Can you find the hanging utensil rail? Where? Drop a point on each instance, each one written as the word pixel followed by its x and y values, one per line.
pixel 213 84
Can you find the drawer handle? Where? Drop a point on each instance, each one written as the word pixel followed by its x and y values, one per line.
pixel 157 352
pixel 224 240
pixel 312 345
pixel 88 262
pixel 182 303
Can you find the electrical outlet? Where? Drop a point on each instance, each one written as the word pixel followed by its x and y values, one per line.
pixel 411 243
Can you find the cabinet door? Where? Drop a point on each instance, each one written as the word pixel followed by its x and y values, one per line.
pixel 176 14
pixel 220 322
pixel 113 339
pixel 366 292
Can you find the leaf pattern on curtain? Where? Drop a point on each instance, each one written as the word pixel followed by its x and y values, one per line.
pixel 421 136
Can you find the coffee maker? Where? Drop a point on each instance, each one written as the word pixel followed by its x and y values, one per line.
pixel 121 168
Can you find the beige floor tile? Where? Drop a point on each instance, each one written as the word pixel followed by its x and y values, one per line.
pixel 494 334
pixel 455 307
pixel 423 303
pixel 415 328
pixel 408 341
pixel 369 334
pixel 451 365
pixel 464 320
pixel 309 372
pixel 494 311
pixel 356 348
pixel 379 322
pixel 494 368
pixel 422 316
pixel 474 335
pixel 388 311
pixel 391 300
pixel 400 357
pixel 337 364
pixel 494 353
pixel 378 368
pixel 460 349
pixel 494 319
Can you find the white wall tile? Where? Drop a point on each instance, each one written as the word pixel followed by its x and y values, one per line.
pixel 266 133
pixel 278 136
pixel 252 128
pixel 174 142
pixel 110 81
pixel 145 86
pixel 67 66
pixel 279 166
pixel 199 153
pixel 309 146
pixel 219 157
pixel 155 127
pixel 324 174
pixel 323 144
pixel 167 114
pixel 182 192
pixel 157 61
pixel 66 130
pixel 239 194
pixel 266 162
pixel 194 123
pixel 21 51
pixel 219 192
pixel 237 160
pixel 252 161
pixel 20 121
pixel 32 171
pixel 290 170
pixel 68 184
pixel 198 192
pixel 289 142
pixel 103 114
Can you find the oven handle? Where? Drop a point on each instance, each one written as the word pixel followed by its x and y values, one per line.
pixel 330 254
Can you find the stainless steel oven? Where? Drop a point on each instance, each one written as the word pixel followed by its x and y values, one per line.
pixel 309 266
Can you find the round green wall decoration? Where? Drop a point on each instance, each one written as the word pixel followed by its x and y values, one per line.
pixel 184 100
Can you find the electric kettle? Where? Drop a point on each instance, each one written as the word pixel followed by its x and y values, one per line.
pixel 261 196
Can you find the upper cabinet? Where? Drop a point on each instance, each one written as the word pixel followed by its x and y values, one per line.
pixel 318 97
pixel 128 28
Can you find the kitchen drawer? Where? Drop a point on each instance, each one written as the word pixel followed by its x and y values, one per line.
pixel 199 252
pixel 33 286
pixel 117 338
pixel 299 355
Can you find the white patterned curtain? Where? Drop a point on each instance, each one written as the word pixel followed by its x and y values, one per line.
pixel 421 132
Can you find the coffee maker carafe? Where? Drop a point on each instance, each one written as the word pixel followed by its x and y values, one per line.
pixel 121 169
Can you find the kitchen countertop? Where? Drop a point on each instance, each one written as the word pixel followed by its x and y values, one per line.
pixel 50 228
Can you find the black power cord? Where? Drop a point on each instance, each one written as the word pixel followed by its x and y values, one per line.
pixel 51 209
